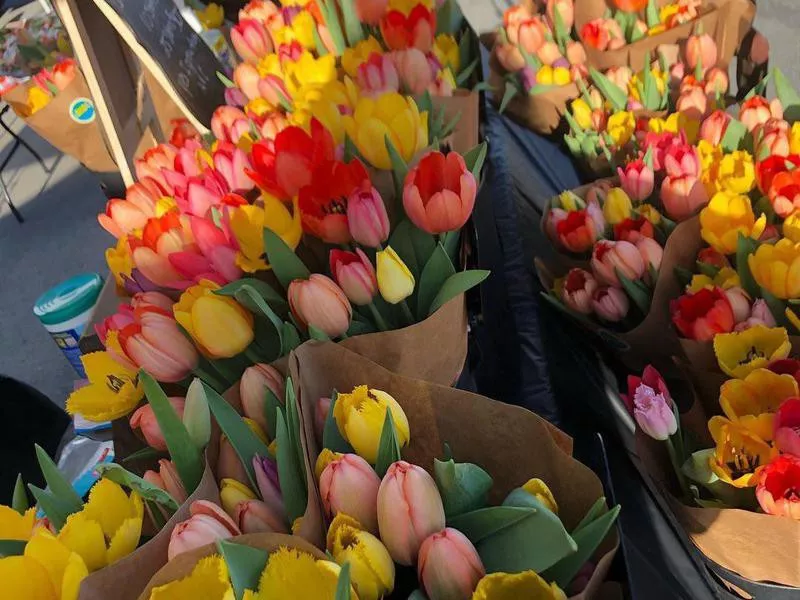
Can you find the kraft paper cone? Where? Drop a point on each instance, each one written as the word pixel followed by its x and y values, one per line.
pixel 83 141
pixel 512 444
pixel 125 579
pixel 463 105
pixel 182 565
pixel 727 21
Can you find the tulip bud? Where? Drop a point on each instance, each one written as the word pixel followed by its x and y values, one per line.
pixel 755 111
pixel 609 258
pixel 579 285
pixel 349 485
pixel 617 206
pixel 355 275
pixel 653 413
pixel 321 411
pixel 566 11
pixel 372 569
pixel 229 466
pixel 367 218
pixel 610 304
pixel 395 280
pixel 167 479
pixel 548 53
pixel 693 104
pixel 325 458
pixel 266 471
pixel 701 50
pixel 637 179
pixel 145 420
pixel 251 40
pixel 207 524
pixel 413 69
pixel 318 301
pixel 713 128
pixel 651 252
pixel 379 75
pixel 253 386
pixel 254 516
pixel 233 492
pixel 682 196
pixel 370 11
pixel 576 55
pixel 760 314
pixel 246 78
pixel 740 303
pixel 716 83
pixel 409 510
pixel 509 57
pixel 449 567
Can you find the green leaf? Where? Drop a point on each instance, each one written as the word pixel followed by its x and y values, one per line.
pixel 651 16
pixel 143 454
pixel 262 288
pixel 315 333
pixel 399 166
pixel 425 102
pixel 331 18
pixel 508 95
pixel 245 565
pixel 293 424
pixel 588 539
pixel 479 524
pixel 53 508
pixel 343 583
pixel 437 270
pixel 640 297
pixel 776 306
pixel 332 438
pixel 19 500
pixel 707 269
pixel 248 297
pixel 735 132
pixel 285 263
pixel 351 150
pixel 745 247
pixel 241 438
pixel 352 27
pixel 401 242
pixel 290 338
pixel 760 88
pixel 483 86
pixel 466 73
pixel 652 99
pixel 321 49
pixel 196 415
pixel 475 158
pixel 597 509
pixel 182 449
pixel 449 19
pixel 225 81
pixel 148 491
pixel 12 547
pixel 612 93
pixel 388 447
pixel 463 486
pixel 455 285
pixel 271 408
pixel 57 484
pixel 293 487
pixel 787 95
pixel 450 244
pixel 561 32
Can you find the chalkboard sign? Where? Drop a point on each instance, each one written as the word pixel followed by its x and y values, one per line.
pixel 188 65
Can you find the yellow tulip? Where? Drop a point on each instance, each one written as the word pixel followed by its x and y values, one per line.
pixel 219 325
pixel 259 107
pixel 656 125
pixel 114 390
pixel 582 113
pixel 270 65
pixel 794 138
pixel 678 121
pixel 360 415
pixel 293 573
pixel 538 489
pixel 668 11
pixel 37 100
pixel 390 115
pixel 248 223
pixel 212 16
pixel 512 586
pixel 65 569
pixel 357 55
pixel 208 580
pixel 544 75
pixel 331 101
pixel 737 173
pixel 119 261
pixel 776 268
pixel 233 492
pixel 650 213
pixel 445 48
pixel 16 526
pixel 726 278
pixel 791 227
pixel 739 454
pixel 725 217
pixel 371 567
pixel 26 578
pixel 620 127
pixel 617 207
pixel 710 155
pixel 308 72
pixel 752 400
pixel 302 29
pixel 742 352
pixel 561 76
pixel 395 281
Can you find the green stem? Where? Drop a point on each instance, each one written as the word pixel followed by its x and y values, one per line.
pixel 673 457
pixel 252 355
pixel 379 320
pixel 407 312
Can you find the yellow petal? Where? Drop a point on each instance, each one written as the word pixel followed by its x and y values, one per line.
pixel 45 549
pixel 507 586
pixel 292 573
pixel 108 505
pixel 125 540
pixel 23 578
pixel 85 537
pixel 14 526
pixel 538 488
pixel 74 574
pixel 113 391
pixel 208 580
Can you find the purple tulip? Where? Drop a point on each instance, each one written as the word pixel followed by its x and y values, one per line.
pixel 268 484
pixel 653 413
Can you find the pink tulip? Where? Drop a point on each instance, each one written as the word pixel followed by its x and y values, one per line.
pixel 167 479
pixel 682 196
pixel 760 314
pixel 513 18
pixel 188 161
pixel 579 285
pixel 229 465
pixel 566 10
pixel 693 103
pixel 509 57
pixel 714 126
pixel 366 217
pixel 755 111
pixel 121 218
pixel 449 567
pixel 651 252
pixel 653 413
pixel 661 143
pixel 144 418
pixel 229 123
pixel 637 179
pixel 207 524
pixel 231 162
pixel 740 303
pixel 355 275
pixel 716 83
pixel 413 69
pixel 409 510
pixel 349 485
pixel 269 487
pixel 529 34
pixel 217 247
pixel 254 516
pixel 246 78
pixel 253 386
pixel 273 89
pixel 321 411
pixel 251 40
pixel 609 257
pixel 610 304
pixel 371 11
pixel 272 124
pixel 318 301
pixel 773 139
pixel 234 96
pixel 153 162
pixel 379 74
pixel 576 54
pixel 787 427
pixel 146 300
pixel 701 50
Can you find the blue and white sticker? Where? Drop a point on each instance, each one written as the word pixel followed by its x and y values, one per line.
pixel 82 111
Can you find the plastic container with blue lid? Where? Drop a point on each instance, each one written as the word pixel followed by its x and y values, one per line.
pixel 64 311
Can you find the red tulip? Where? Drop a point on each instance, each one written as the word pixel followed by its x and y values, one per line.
pixel 767 169
pixel 378 74
pixel 415 30
pixel 579 285
pixel 682 196
pixel 231 162
pixel 787 427
pixel 439 193
pixel 577 230
pixel 595 35
pixel 637 179
pixel 145 420
pixel 778 489
pixel 660 143
pixel 251 40
pixel 207 524
pixel 714 126
pixel 366 217
pixel 610 304
pixel 632 230
pixel 610 258
pixel 702 315
pixel 711 257
pixel 63 73
pixel 650 378
pixel 784 193
pixel 355 275
pixel 318 301
pixel 349 485
pixel 448 566
pixel 229 123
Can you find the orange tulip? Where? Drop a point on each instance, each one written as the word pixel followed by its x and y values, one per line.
pixel 145 420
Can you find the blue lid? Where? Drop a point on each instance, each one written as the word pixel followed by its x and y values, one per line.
pixel 68 299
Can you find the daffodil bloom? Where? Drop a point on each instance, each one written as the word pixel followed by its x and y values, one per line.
pixel 389 116
pixel 208 580
pixel 108 527
pixel 293 573
pixel 776 268
pixel 620 127
pixel 737 173
pixel 742 352
pixel 739 454
pixel 445 48
pixel 248 223
pixel 726 278
pixel 512 586
pixel 16 526
pixel 357 55
pixel 371 567
pixel 119 261
pixel 270 65
pixel 539 490
pixel 360 415
pixel 114 390
pixel 212 16
pixel 726 217
pixel 752 400
pixel 308 72
pixel 791 227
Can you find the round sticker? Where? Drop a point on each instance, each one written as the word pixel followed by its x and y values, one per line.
pixel 82 110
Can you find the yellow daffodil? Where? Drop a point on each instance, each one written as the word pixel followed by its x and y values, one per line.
pixel 333 100
pixel 108 527
pixel 776 268
pixel 650 213
pixel 119 261
pixel 16 526
pixel 395 280
pixel 726 278
pixel 65 569
pixel 219 325
pixel 581 112
pixel 620 127
pixel 248 224
pixel 208 580
pixel 739 454
pixel 539 490
pixel 794 138
pixel 233 492
pixel 307 73
pixel 617 206
pixel 114 390
pixel 212 16
pixel 445 48
pixel 737 173
pixel 390 115
pixel 791 227
pixel 752 400
pixel 37 100
pixel 293 573
pixel 302 30
pixel 359 416
pixel 357 55
pixel 678 121
pixel 725 217
pixel 512 586
pixel 371 567
pixel 742 352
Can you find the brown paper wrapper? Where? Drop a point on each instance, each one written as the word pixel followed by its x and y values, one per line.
pixel 125 579
pixel 83 141
pixel 727 21
pixel 463 104
pixel 478 430
pixel 182 565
